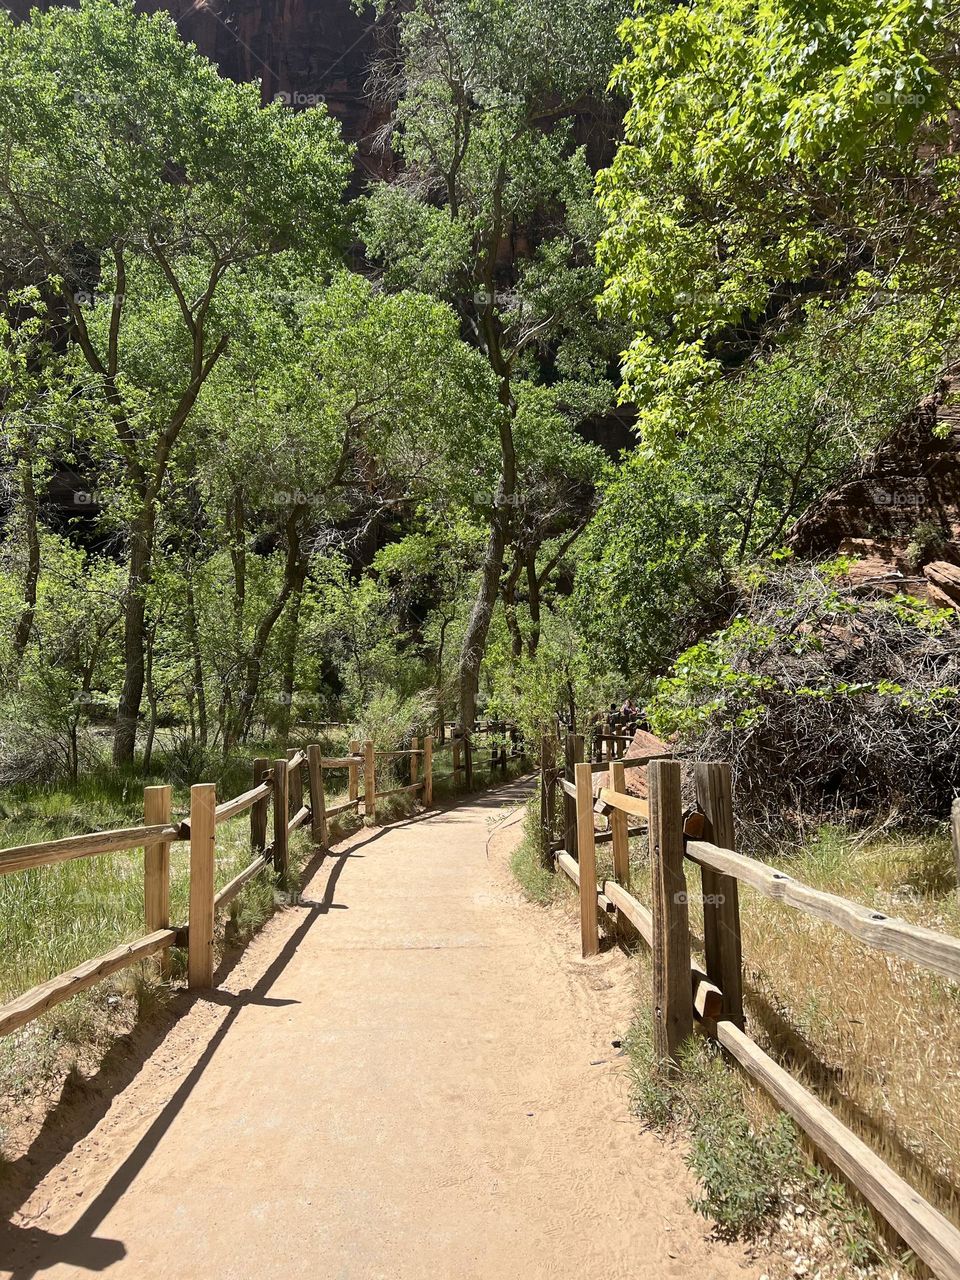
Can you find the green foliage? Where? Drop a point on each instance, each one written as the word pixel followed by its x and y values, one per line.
pixel 756 136
pixel 746 1171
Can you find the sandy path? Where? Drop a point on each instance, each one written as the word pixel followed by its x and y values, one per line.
pixel 408 1075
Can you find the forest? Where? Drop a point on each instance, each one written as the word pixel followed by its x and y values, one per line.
pixel 521 428
pixel 626 373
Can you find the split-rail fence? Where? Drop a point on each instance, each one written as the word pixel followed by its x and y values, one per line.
pixel 689 996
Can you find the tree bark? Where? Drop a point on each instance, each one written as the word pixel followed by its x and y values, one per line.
pixel 28 500
pixel 193 632
pixel 134 636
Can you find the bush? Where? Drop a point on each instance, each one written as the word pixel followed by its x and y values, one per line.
pixel 826 702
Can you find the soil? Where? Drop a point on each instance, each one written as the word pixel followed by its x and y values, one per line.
pixel 409 1073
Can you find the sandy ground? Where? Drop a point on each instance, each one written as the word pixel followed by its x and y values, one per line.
pixel 409 1074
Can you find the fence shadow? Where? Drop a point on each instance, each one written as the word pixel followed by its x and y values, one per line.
pixel 28 1250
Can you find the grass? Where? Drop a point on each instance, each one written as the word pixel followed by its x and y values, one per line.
pixel 538 883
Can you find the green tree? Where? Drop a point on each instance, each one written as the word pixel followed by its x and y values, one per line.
pixel 773 153
pixel 493 211
pixel 134 182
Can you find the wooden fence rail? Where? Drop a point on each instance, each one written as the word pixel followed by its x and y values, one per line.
pixel 710 999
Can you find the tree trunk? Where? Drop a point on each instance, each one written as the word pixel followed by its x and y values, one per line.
pixel 134 634
pixel 475 638
pixel 193 632
pixel 294 576
pixel 289 666
pixel 28 500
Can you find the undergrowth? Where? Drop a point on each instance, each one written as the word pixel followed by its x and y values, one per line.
pixel 755 1179
pixel 537 882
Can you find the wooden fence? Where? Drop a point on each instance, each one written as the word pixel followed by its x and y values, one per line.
pixel 277 785
pixel 687 996
pixel 504 742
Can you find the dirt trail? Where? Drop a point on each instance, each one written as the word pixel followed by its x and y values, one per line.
pixel 409 1075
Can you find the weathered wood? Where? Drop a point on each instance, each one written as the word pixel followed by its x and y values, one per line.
pixel 932 1238
pixel 48 852
pixel 547 792
pixel 706 996
pixel 338 762
pixel 281 809
pixel 301 816
pixel 396 791
pixel 428 771
pixel 568 788
pixel 295 783
pixel 203 826
pixel 156 864
pixel 259 814
pixel 156 860
pixel 414 759
pixel 937 951
pixel 241 803
pixel 353 771
pixel 342 807
pixel 672 996
pixel 721 902
pixel 625 803
pixel 639 916
pixel 369 782
pixel 233 887
pixel 587 860
pixel 318 801
pixel 618 828
pixel 39 999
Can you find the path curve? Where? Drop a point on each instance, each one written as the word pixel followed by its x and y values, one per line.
pixel 410 1074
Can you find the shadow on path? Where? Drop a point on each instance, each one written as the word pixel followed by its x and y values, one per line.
pixel 28 1250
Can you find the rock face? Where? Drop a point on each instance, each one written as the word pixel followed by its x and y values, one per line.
pixel 898 517
pixel 302 51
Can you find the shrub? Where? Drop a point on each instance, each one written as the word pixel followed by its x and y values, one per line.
pixel 825 701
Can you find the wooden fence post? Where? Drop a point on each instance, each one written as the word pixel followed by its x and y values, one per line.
pixel 318 803
pixel 414 760
pixel 618 826
pixel 259 812
pixel 721 901
pixel 428 771
pixel 468 758
pixel 203 822
pixel 587 858
pixel 672 989
pixel 281 803
pixel 369 782
pixel 547 790
pixel 156 867
pixel 573 755
pixel 353 773
pixel 295 784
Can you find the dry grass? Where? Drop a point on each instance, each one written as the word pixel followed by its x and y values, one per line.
pixel 876 1037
